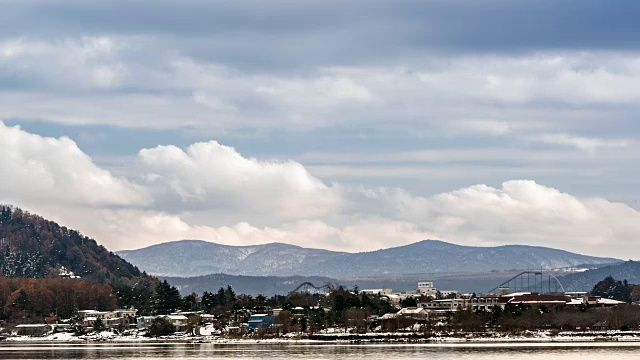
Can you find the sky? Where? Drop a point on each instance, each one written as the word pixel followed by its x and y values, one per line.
pixel 342 125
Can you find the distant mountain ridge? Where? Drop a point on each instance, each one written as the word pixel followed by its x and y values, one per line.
pixel 196 258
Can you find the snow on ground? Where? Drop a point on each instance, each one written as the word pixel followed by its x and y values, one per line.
pixel 344 337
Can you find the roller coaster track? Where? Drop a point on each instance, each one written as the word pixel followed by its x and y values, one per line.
pixel 309 287
pixel 542 282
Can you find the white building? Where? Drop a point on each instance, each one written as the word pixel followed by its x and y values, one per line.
pixel 426 288
pixel 377 291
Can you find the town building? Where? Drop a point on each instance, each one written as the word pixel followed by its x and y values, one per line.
pixel 260 321
pixel 143 322
pixel 32 329
pixel 179 322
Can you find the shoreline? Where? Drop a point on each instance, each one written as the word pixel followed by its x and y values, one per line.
pixel 612 337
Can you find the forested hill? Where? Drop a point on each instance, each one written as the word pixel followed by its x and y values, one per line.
pixel 33 247
pixel 584 281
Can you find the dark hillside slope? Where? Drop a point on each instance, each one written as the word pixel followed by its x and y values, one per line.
pixel 33 247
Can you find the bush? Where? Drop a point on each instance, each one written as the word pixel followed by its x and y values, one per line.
pixel 161 327
pixel 98 325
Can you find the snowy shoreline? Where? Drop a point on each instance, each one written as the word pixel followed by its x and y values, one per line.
pixel 343 338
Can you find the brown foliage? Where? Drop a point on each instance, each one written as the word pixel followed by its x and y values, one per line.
pixel 34 299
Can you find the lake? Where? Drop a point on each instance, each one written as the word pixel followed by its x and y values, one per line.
pixel 548 351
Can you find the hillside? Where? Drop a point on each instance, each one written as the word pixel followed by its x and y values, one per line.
pixel 193 258
pixel 584 281
pixel 33 247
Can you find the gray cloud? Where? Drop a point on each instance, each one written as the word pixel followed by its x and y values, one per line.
pixel 289 35
pixel 430 95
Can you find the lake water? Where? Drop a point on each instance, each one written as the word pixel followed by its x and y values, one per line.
pixel 552 351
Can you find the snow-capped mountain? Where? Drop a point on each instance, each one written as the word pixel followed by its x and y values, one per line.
pixel 195 257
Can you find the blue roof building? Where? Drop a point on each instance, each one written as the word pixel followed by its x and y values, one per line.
pixel 259 321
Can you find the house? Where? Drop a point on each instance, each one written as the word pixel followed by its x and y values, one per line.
pixel 444 304
pixel 393 299
pixel 259 321
pixel 143 322
pixel 377 291
pixel 117 322
pixel 32 329
pixel 94 314
pixel 600 325
pixel 483 303
pixel 413 313
pixel 131 312
pixel 179 322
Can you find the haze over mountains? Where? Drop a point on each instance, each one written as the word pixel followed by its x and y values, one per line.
pixel 195 258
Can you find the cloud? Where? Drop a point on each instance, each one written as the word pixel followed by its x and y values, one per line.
pixel 140 82
pixel 216 177
pixel 519 212
pixel 39 170
pixel 212 192
pixel 584 143
pixel 90 62
pixel 436 92
pixel 344 33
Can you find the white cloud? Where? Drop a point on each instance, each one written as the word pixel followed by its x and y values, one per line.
pixel 216 177
pixel 528 213
pixel 210 191
pixel 520 212
pixel 40 170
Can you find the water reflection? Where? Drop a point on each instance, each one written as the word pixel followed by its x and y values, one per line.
pixel 584 351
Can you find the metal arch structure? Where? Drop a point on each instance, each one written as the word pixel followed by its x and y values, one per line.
pixel 307 287
pixel 542 282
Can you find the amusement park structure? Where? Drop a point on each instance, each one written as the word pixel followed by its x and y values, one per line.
pixel 540 281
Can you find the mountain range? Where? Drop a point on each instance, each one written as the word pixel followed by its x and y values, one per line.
pixel 196 258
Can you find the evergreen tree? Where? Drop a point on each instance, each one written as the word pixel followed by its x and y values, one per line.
pixel 167 298
pixel 190 303
pixel 98 325
pixel 611 289
pixel 161 327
